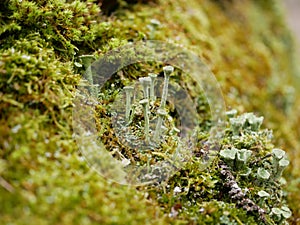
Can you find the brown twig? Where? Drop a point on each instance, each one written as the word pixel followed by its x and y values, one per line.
pixel 237 195
pixel 6 185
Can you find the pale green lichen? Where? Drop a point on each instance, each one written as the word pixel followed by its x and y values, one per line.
pixel 146 83
pixel 246 121
pixel 228 153
pixel 263 174
pixel 168 70
pixel 145 104
pixel 153 77
pixel 128 91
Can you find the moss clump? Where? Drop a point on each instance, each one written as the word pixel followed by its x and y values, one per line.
pixel 43 178
pixel 62 25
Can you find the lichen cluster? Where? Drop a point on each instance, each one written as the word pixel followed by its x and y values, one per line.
pixel 45 180
pixel 241 185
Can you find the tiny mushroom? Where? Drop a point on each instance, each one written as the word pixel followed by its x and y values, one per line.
pixel 153 77
pixel 161 115
pixel 168 70
pixel 145 82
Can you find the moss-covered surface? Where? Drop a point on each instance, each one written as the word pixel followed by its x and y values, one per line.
pixel 43 177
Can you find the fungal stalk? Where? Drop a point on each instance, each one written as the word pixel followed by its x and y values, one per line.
pixel 145 105
pixel 153 77
pixel 168 70
pixel 128 91
pixel 145 82
pixel 161 115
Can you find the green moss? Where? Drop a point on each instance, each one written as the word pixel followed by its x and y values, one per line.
pixel 45 180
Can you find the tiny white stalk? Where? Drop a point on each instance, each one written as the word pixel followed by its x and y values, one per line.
pixel 168 70
pixel 161 115
pixel 128 90
pixel 145 105
pixel 145 82
pixel 153 77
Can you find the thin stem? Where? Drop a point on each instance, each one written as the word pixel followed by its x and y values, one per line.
pixel 145 82
pixel 6 185
pixel 164 93
pixel 128 90
pixel 153 77
pixel 161 111
pixel 161 114
pixel 157 129
pixel 145 102
pixel 167 72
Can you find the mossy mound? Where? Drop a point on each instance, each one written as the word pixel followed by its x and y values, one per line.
pixel 45 180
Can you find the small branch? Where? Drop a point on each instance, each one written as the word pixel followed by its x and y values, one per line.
pixel 6 185
pixel 237 195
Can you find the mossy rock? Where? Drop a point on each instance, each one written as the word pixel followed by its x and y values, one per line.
pixel 44 179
